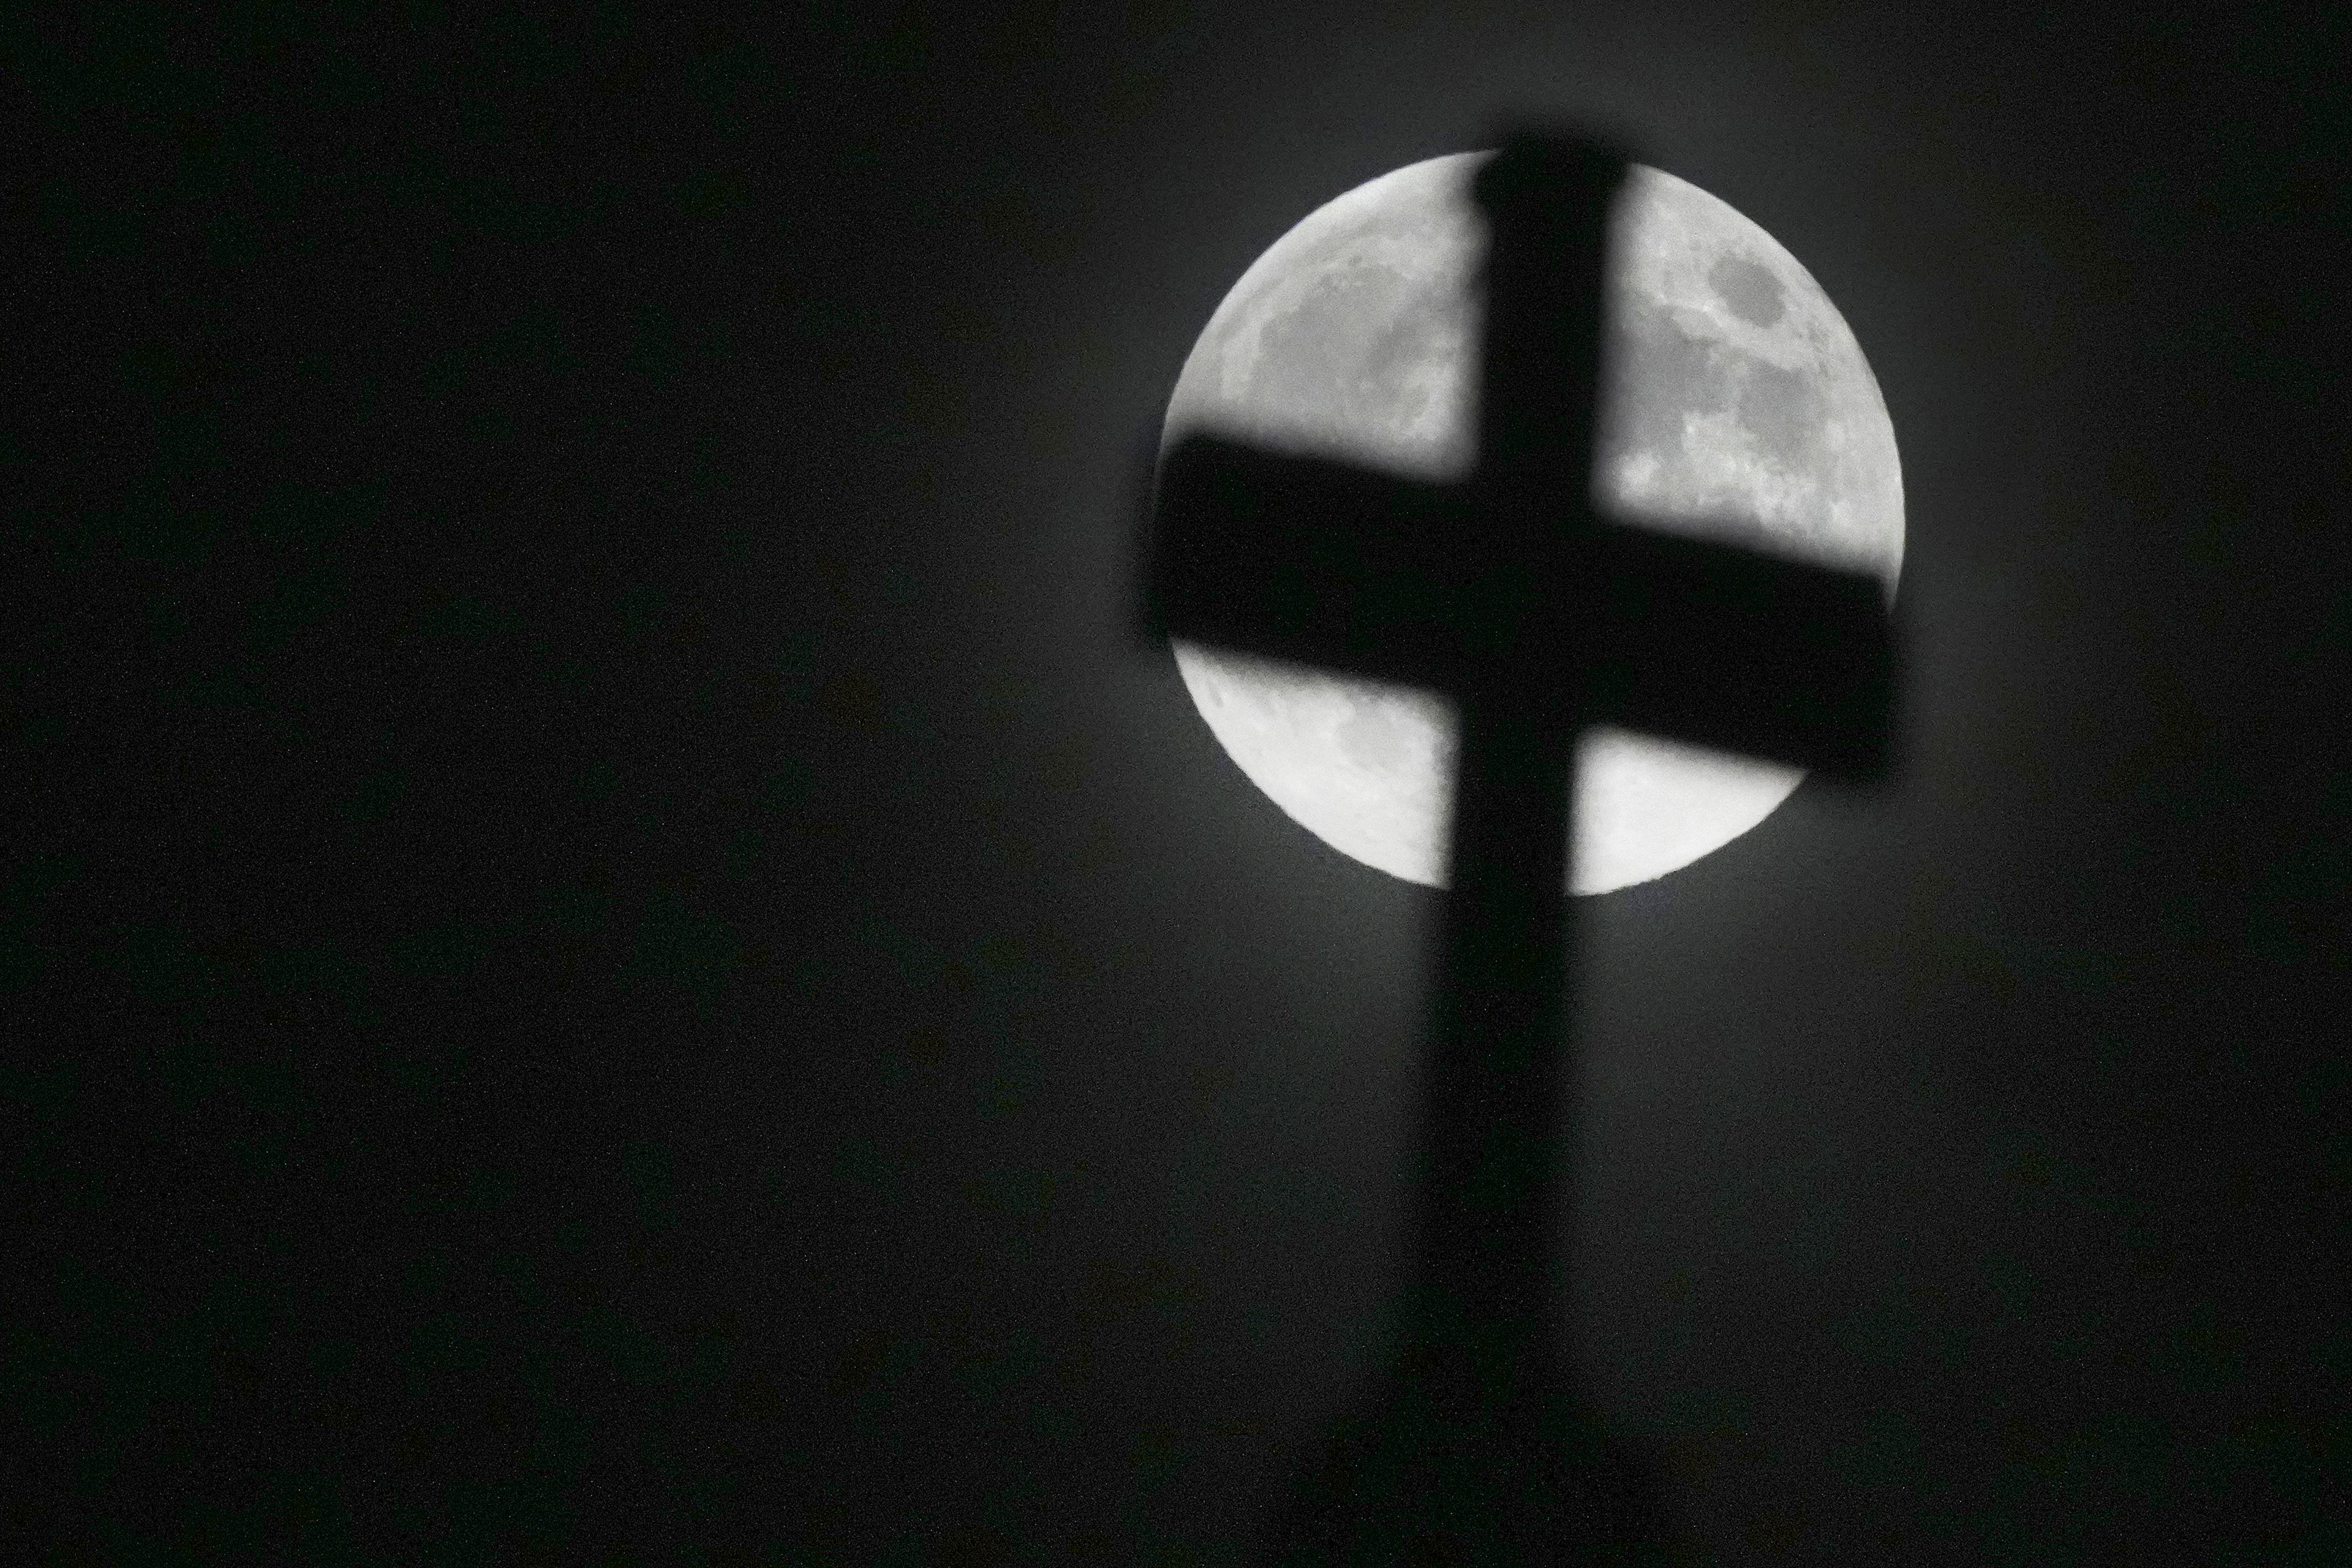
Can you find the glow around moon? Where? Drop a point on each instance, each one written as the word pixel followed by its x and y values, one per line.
pixel 1737 407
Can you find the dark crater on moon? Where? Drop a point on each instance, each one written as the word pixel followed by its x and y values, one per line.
pixel 1781 409
pixel 1662 372
pixel 1751 291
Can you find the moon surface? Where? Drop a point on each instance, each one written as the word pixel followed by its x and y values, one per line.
pixel 1737 406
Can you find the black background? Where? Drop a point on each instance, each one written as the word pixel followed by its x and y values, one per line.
pixel 617 949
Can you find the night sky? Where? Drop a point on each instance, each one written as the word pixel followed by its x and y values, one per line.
pixel 623 951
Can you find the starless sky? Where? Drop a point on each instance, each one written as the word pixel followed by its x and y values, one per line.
pixel 645 961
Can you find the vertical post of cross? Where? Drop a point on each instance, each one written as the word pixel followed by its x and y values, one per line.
pixel 1492 1193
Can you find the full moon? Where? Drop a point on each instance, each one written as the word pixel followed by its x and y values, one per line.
pixel 1736 405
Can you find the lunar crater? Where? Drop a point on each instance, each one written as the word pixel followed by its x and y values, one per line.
pixel 1751 291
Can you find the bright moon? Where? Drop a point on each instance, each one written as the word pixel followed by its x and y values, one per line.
pixel 1737 406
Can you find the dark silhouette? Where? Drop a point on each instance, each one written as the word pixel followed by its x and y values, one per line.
pixel 1539 617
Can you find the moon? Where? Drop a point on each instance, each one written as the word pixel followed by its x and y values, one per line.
pixel 1737 406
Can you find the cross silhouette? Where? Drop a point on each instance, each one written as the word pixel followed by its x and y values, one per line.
pixel 1539 617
